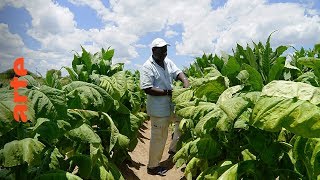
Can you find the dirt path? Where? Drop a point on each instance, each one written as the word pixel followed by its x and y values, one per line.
pixel 137 169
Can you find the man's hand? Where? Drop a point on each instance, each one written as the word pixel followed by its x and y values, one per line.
pixel 183 78
pixel 186 84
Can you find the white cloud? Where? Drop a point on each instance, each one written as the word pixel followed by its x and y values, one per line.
pixel 247 20
pixel 10 45
pixel 96 5
pixel 170 33
pixel 203 29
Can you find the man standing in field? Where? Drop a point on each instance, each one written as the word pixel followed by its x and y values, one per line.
pixel 156 78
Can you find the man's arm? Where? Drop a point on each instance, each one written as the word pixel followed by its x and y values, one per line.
pixel 157 92
pixel 183 78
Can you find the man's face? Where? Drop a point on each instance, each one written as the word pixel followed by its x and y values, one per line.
pixel 159 53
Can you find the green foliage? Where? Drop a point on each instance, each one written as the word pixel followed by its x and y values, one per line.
pixel 81 128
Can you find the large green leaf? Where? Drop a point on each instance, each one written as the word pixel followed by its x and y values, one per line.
pixel 215 172
pixel 49 129
pixel 193 166
pixel 107 84
pixel 276 70
pixel 204 148
pixel 228 93
pixel 196 111
pixel 7 106
pixel 48 102
pixel 292 105
pixel 307 157
pixel 115 136
pixel 27 150
pixel 128 125
pixel 182 95
pixel 290 90
pixel 311 62
pixel 84 164
pixel 119 81
pixel 58 175
pixel 86 58
pixel 231 69
pixel 212 89
pixel 30 80
pixel 234 107
pixel 55 158
pixel 215 119
pixel 255 79
pixel 82 95
pixel 84 133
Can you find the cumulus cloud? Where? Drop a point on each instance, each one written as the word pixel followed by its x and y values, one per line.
pixel 247 20
pixel 10 46
pixel 203 28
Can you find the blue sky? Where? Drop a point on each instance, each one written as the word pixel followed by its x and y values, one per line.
pixel 46 33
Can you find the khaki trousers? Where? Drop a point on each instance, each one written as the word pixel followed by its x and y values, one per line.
pixel 159 134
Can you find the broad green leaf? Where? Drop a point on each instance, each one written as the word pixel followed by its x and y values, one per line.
pixel 231 68
pixel 247 155
pixel 73 75
pixel 48 102
pixel 84 133
pixel 115 136
pixel 85 116
pixel 306 156
pixel 294 109
pixel 86 58
pixel 276 69
pixel 215 119
pixel 204 148
pixel 119 81
pixel 212 89
pixel 129 127
pixel 266 60
pixel 47 129
pixel 311 62
pixel 27 150
pixel 290 90
pixel 30 80
pixel 6 106
pixel 218 62
pixel 55 157
pixel 193 166
pixel 234 107
pixel 182 95
pixel 185 125
pixel 309 78
pixel 58 175
pixel 100 172
pixel 228 93
pixel 230 174
pixel 76 61
pixel 112 89
pixel 196 112
pixel 215 172
pixel 255 79
pixel 82 95
pixel 84 164
pixel 107 55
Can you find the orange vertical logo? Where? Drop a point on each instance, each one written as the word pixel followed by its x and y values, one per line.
pixel 20 108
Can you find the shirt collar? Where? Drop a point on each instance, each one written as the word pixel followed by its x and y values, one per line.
pixel 153 61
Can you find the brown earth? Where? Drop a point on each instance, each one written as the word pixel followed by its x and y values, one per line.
pixel 137 169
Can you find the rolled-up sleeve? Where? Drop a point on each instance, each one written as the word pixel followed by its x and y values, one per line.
pixel 146 78
pixel 175 70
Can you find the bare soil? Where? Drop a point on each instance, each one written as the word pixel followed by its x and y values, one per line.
pixel 137 168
